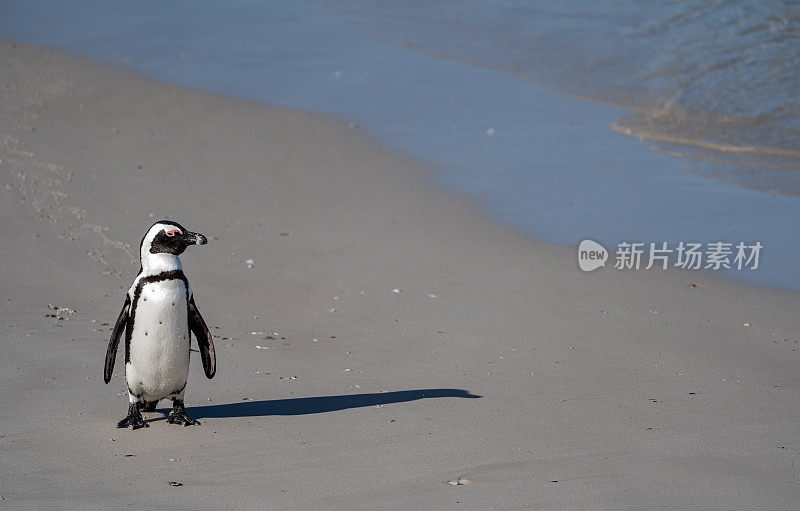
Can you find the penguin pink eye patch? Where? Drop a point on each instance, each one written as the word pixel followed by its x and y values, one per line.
pixel 172 232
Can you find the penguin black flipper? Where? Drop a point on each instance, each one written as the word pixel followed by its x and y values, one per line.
pixel 204 340
pixel 113 342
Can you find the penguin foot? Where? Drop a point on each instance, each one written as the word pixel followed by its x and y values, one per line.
pixel 178 415
pixel 133 420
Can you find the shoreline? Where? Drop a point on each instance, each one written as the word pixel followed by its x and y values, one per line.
pixel 628 388
pixel 532 159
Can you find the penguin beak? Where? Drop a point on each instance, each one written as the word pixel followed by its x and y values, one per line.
pixel 193 238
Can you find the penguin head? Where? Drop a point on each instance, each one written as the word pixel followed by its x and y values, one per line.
pixel 167 237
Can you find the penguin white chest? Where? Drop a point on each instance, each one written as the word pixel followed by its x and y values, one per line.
pixel 158 362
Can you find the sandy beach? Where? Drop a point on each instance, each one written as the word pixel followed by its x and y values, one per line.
pixel 388 348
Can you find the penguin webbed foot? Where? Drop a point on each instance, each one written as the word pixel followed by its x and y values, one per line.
pixel 134 419
pixel 178 415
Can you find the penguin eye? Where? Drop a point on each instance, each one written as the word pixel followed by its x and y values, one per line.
pixel 172 232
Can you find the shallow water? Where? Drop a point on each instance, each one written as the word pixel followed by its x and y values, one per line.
pixel 711 80
pixel 539 161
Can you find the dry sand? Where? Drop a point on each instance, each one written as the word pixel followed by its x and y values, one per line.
pixel 535 385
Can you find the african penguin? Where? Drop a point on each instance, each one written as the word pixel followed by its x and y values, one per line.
pixel 158 315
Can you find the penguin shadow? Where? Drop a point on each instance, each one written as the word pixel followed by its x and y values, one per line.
pixel 319 404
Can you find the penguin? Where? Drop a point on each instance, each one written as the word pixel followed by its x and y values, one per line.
pixel 158 318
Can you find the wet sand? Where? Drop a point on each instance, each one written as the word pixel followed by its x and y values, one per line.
pixel 387 340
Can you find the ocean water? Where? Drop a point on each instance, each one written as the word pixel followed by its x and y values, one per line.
pixel 486 92
pixel 711 80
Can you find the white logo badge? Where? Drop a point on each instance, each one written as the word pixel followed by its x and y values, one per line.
pixel 591 255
